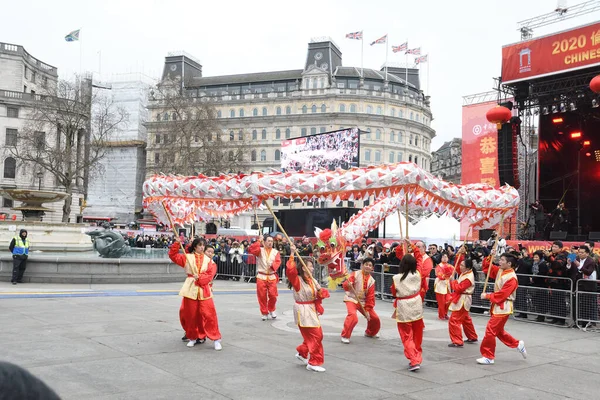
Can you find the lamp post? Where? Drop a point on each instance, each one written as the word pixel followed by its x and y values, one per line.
pixel 40 174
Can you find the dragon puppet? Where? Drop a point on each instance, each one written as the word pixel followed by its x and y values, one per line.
pixel 332 246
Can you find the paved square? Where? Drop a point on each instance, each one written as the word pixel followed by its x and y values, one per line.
pixel 124 342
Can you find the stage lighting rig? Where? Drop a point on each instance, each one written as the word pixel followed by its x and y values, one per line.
pixel 575 135
pixel 597 154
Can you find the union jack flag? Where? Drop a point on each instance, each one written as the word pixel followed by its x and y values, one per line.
pixel 382 39
pixel 416 51
pixel 421 59
pixel 354 35
pixel 402 47
pixel 72 36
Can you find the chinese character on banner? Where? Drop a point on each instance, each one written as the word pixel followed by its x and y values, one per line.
pixel 489 181
pixel 487 145
pixel 596 37
pixel 488 165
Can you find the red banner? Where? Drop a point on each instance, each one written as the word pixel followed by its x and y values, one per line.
pixel 561 52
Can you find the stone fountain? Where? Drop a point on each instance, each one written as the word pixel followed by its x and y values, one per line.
pixel 43 236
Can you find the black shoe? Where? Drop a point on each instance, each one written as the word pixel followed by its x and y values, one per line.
pixel 521 315
pixel 184 338
pixel 540 318
pixel 471 341
pixel 455 345
pixel 558 322
pixel 14 283
pixel 200 341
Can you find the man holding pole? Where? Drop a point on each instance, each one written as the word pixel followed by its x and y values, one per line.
pixel 268 261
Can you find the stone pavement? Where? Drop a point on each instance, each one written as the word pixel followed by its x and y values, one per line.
pixel 124 342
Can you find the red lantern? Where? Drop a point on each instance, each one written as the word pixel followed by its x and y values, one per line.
pixel 595 84
pixel 498 115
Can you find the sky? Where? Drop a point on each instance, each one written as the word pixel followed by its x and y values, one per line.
pixel 462 38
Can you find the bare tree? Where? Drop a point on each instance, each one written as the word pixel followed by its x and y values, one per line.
pixel 186 137
pixel 60 136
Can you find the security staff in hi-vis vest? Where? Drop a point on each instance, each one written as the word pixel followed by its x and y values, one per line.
pixel 19 247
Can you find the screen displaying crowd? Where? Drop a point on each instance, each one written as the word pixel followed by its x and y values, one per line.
pixel 332 150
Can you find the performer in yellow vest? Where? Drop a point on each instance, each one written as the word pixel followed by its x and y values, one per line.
pixel 268 261
pixel 198 308
pixel 460 303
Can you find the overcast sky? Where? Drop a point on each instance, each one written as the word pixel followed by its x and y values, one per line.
pixel 463 38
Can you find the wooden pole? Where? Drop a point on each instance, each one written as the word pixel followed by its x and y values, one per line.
pixel 257 223
pixel 406 207
pixel 487 278
pixel 401 234
pixel 172 226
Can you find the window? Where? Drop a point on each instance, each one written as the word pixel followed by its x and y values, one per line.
pixel 416 160
pixel 263 155
pixel 367 155
pixel 288 110
pixel 393 112
pixel 174 116
pixel 400 113
pixel 8 203
pixel 369 110
pixel 392 156
pixel 241 112
pixel 342 108
pixel 277 155
pixel 255 112
pixel 400 137
pixel 263 135
pixel 313 131
pixel 12 112
pixel 410 158
pixel 254 134
pixel 304 109
pixel 313 109
pixel 288 134
pixel 231 136
pixel 10 168
pixel 399 157
pixel 231 156
pixel 231 113
pixel 379 111
pixel 278 110
pixel 303 132
pixel 378 156
pixel 378 134
pixel 156 158
pixel 11 137
pixel 323 108
pixel 253 155
pixel 322 129
pixel 44 81
pixel 416 140
pixel 411 116
pixel 218 115
pixel 39 139
pixel 264 112
pixel 158 117
pixel 240 135
pixel 392 137
pixel 352 108
pixel 410 140
pixel 278 134
pixel 157 140
pixel 369 133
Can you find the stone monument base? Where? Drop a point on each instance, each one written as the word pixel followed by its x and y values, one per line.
pixel 46 236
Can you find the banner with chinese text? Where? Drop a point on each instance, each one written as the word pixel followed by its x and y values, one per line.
pixel 564 51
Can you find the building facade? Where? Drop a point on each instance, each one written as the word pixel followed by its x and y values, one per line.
pixel 23 81
pixel 115 189
pixel 266 108
pixel 446 162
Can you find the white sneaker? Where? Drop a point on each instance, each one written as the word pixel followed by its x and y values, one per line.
pixel 485 361
pixel 315 368
pixel 191 343
pixel 345 340
pixel 304 360
pixel 218 345
pixel 375 336
pixel 264 317
pixel 521 348
pixel 273 315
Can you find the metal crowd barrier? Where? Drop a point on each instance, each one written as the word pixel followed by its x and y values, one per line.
pixel 587 299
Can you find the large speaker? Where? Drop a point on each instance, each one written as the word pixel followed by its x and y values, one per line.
pixel 594 236
pixel 508 158
pixel 485 234
pixel 558 235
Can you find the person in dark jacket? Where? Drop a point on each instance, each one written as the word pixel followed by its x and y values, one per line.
pixel 557 260
pixel 19 247
pixel 540 295
pixel 523 271
pixel 18 383
pixel 583 274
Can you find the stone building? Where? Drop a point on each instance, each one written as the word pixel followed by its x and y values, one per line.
pixel 446 162
pixel 393 114
pixel 24 80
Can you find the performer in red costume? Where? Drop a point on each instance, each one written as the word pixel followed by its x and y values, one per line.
pixel 364 287
pixel 505 290
pixel 441 286
pixel 424 267
pixel 267 264
pixel 198 306
pixel 308 296
pixel 460 303
pixel 406 288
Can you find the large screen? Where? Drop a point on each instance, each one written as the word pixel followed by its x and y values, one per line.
pixel 330 150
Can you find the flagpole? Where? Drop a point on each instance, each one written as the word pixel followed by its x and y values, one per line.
pixel 428 62
pixel 386 55
pixel 406 62
pixel 362 51
pixel 80 54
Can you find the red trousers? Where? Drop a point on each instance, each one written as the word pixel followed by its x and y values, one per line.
pixel 266 292
pixel 493 330
pixel 458 319
pixel 200 319
pixel 442 300
pixel 373 324
pixel 311 345
pixel 201 333
pixel 411 334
